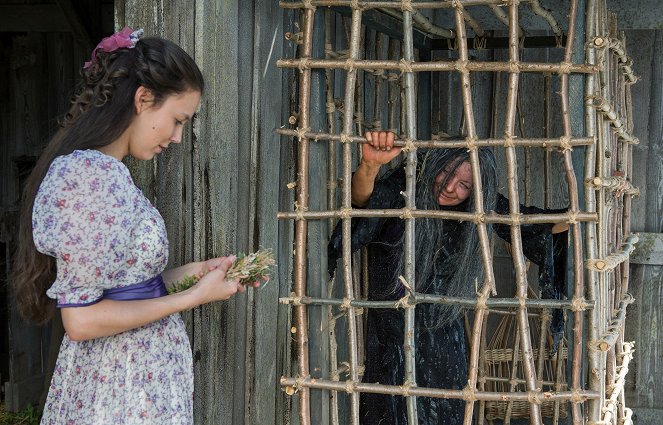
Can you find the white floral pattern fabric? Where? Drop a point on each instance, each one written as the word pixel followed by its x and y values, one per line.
pixel 105 234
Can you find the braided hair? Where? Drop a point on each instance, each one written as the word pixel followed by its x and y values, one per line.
pixel 101 111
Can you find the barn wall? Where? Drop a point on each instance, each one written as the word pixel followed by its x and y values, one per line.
pixel 645 382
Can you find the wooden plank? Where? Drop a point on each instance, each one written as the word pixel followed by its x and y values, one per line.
pixel 265 330
pixel 217 328
pixel 649 382
pixel 639 46
pixel 648 250
pixel 33 18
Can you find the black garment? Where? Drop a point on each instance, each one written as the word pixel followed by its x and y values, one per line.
pixel 440 350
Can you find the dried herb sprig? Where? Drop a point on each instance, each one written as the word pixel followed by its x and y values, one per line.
pixel 248 268
pixel 251 268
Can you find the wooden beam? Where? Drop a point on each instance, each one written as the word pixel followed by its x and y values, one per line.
pixel 386 24
pixel 81 35
pixel 33 18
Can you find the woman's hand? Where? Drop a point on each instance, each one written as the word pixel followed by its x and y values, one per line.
pixel 378 151
pixel 380 148
pixel 213 285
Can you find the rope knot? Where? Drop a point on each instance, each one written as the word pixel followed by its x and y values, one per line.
pixel 579 304
pixel 406 6
pixel 304 64
pixel 346 304
pixel 482 301
pixel 406 388
pixel 344 212
pixel 573 218
pixel 308 4
pixel 330 107
pixel 349 65
pixel 533 397
pixel 472 143
pixel 295 300
pixel 508 141
pixel 301 132
pixel 514 67
pixel 469 394
pixel 461 66
pixel 405 66
pixel 409 145
pixel 565 144
pixel 404 303
pixel 345 138
pixel 349 387
pixel 407 213
pixel 564 68
pixel 300 211
pixel 576 397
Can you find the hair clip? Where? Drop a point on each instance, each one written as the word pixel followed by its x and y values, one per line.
pixel 127 38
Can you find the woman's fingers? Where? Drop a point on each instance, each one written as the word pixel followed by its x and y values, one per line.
pixel 380 140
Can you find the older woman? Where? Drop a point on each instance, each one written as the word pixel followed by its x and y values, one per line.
pixel 447 263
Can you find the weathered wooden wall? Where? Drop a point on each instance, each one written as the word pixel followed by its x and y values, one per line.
pixel 644 325
pixel 219 193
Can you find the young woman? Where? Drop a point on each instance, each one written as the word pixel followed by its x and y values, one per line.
pixel 95 247
pixel 448 262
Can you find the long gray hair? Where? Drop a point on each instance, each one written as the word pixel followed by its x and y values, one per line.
pixel 447 252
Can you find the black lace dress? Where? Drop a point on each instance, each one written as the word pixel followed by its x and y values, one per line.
pixel 441 352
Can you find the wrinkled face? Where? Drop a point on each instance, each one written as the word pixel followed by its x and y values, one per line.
pixel 157 126
pixel 457 188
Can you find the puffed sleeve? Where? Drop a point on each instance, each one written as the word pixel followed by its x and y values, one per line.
pixel 82 216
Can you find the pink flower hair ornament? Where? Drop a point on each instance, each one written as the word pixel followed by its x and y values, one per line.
pixel 127 38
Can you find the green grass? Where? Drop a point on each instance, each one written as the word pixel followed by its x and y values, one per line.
pixel 27 416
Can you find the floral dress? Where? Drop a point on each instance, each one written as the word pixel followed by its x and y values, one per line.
pixel 105 234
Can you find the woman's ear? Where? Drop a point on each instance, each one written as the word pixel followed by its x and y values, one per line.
pixel 143 99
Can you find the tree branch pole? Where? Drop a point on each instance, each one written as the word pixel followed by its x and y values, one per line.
pixel 348 115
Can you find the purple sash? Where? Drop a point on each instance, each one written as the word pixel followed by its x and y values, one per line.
pixel 151 288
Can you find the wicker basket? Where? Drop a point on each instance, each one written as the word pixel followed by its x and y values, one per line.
pixel 499 374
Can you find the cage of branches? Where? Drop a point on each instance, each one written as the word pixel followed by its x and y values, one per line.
pixel 548 91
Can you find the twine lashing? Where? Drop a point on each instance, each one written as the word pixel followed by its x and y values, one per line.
pixel 405 66
pixel 564 68
pixel 409 145
pixel 304 64
pixel 407 214
pixel 344 212
pixel 345 138
pixel 533 397
pixel 301 132
pixel 469 394
pixel 579 304
pixel 565 144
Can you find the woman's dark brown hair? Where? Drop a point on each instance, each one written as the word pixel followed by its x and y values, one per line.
pixel 101 111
